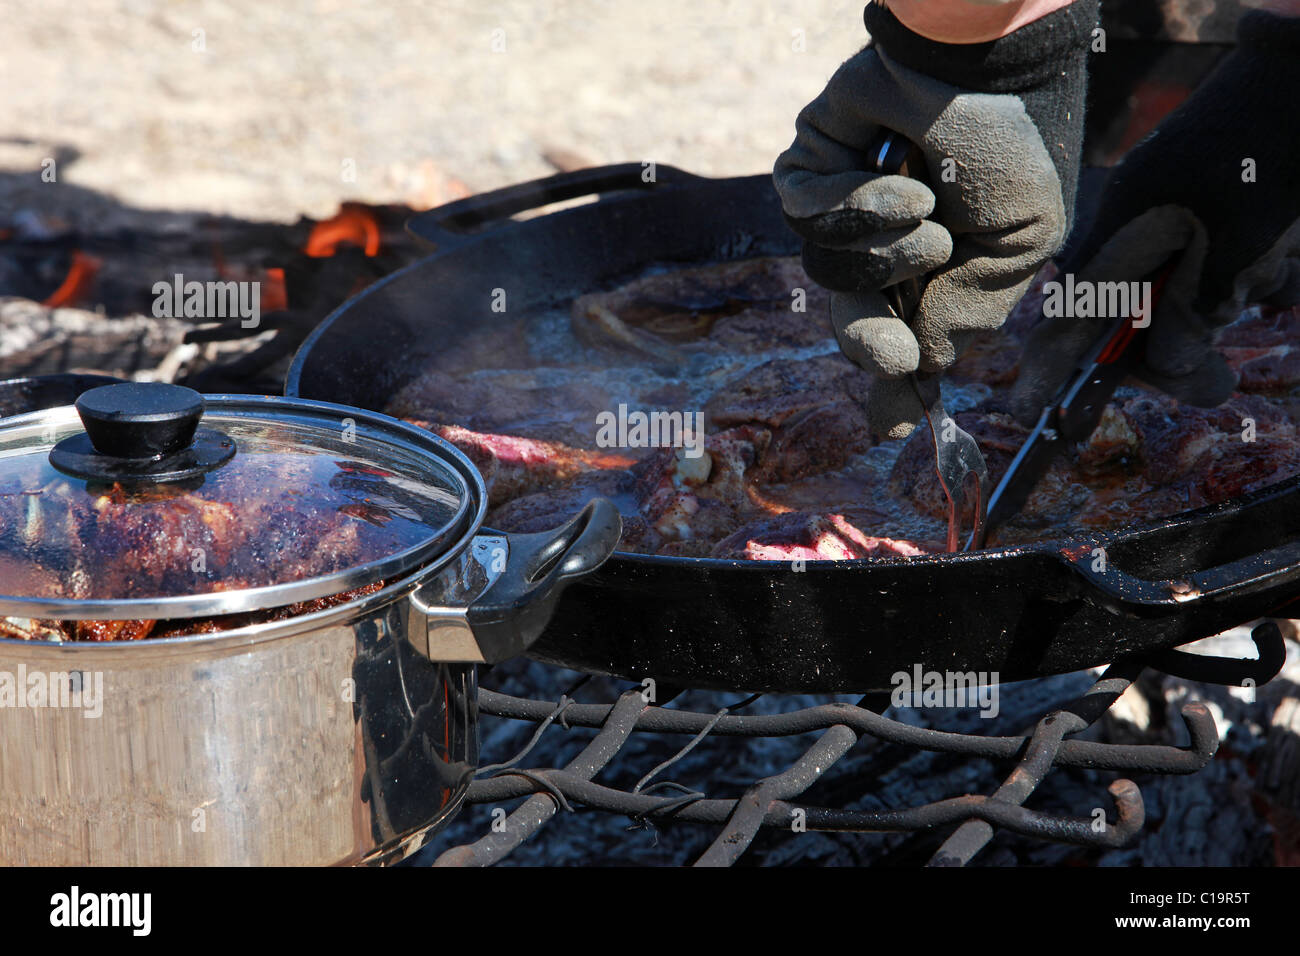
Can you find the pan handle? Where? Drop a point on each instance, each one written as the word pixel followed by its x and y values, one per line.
pixel 456 222
pixel 515 609
pixel 1265 571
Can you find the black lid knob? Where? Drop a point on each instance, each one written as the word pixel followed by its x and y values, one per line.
pixel 140 419
pixel 140 432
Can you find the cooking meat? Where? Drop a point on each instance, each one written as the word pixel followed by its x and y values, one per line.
pixel 811 537
pixel 59 631
pixel 690 503
pixel 1175 440
pixel 139 543
pixel 817 441
pixel 790 469
pixel 757 329
pixel 812 407
pixel 739 308
pixel 1261 348
pixel 110 630
pixel 773 392
pixel 514 401
pixel 272 516
pixel 513 466
pixel 551 507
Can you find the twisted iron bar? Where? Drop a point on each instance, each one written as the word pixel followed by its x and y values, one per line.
pixel 768 801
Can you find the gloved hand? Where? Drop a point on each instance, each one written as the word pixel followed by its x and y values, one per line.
pixel 1214 190
pixel 1000 126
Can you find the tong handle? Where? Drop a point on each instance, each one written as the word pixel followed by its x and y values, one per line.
pixel 894 155
pixel 1076 409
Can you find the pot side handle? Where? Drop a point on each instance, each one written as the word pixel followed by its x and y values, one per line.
pixel 1272 570
pixel 455 222
pixel 512 613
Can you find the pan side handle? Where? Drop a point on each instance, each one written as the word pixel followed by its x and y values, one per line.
pixel 456 222
pixel 498 599
pixel 1265 571
pixel 515 609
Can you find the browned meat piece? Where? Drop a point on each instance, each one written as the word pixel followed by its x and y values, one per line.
pixel 1151 457
pixel 143 543
pixel 693 534
pixel 700 500
pixel 551 507
pixel 776 390
pixel 112 630
pixel 1261 348
pixel 514 466
pixel 812 537
pixel 517 402
pixel 1176 440
pixel 762 328
pixel 1277 370
pixel 744 305
pixel 704 290
pixel 1248 468
pixel 1263 328
pixel 817 441
pixel 812 407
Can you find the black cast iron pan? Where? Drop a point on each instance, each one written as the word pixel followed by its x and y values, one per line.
pixel 1019 612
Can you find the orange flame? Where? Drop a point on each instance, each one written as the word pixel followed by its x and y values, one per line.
pixel 354 224
pixel 275 294
pixel 77 283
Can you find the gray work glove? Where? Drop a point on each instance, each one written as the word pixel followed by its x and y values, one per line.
pixel 1214 192
pixel 1000 126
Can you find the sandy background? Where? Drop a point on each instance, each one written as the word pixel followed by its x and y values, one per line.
pixel 263 110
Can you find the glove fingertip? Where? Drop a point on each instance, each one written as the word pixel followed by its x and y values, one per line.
pixel 893 410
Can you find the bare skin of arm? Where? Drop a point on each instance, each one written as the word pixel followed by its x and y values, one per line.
pixel 969 21
pixel 977 21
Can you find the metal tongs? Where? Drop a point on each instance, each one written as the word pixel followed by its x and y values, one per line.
pixel 1076 409
pixel 956 453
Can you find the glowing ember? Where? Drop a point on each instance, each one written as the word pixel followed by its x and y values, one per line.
pixel 354 225
pixel 77 283
pixel 275 295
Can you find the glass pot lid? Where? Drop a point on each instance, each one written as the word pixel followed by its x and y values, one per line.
pixel 148 501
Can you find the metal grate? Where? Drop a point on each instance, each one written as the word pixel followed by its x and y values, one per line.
pixel 772 801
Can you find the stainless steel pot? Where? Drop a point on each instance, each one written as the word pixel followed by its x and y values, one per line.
pixel 341 735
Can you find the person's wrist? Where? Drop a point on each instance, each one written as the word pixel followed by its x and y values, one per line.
pixel 1031 57
pixel 969 21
